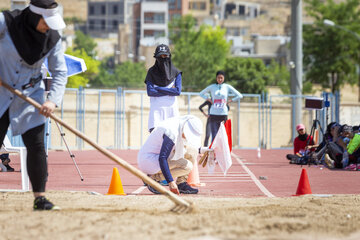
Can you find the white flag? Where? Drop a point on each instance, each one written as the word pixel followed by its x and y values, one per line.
pixel 221 149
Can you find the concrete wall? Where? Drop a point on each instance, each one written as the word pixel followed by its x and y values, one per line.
pixel 245 132
pixel 134 131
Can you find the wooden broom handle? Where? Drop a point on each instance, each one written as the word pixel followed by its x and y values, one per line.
pixel 176 199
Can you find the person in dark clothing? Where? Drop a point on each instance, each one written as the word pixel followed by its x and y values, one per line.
pixel 5 161
pixel 207 131
pixel 329 136
pixel 303 144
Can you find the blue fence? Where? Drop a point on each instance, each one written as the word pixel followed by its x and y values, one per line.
pixel 117 119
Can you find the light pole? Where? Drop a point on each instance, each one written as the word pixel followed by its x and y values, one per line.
pixel 296 55
pixel 330 23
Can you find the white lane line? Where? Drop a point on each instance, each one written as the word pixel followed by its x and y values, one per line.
pixel 222 175
pixel 139 190
pixel 256 181
pixel 227 181
pixel 221 178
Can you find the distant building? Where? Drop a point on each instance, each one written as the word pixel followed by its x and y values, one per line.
pixel 239 10
pixel 123 51
pixel 177 8
pixel 247 25
pixel 105 16
pixel 150 24
pixel 256 30
pixel 19 4
pixel 200 9
pixel 270 48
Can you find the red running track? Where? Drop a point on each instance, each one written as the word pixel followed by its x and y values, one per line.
pixel 249 176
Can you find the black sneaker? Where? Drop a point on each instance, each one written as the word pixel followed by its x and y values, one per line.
pixel 8 168
pixel 186 189
pixel 41 203
pixel 151 189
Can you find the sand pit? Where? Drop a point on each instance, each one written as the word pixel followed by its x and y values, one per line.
pixel 88 216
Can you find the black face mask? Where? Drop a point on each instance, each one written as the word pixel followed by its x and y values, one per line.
pixel 29 43
pixel 164 65
pixel 303 137
pixel 162 73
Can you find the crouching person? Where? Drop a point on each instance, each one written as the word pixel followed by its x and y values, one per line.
pixel 170 152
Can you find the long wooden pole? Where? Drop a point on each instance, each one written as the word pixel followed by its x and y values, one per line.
pixel 173 197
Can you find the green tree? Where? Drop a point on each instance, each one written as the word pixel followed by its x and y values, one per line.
pixel 130 74
pixel 127 74
pixel 247 75
pixel 280 76
pixel 84 78
pixel 73 20
pixel 85 42
pixel 105 78
pixel 331 54
pixel 198 53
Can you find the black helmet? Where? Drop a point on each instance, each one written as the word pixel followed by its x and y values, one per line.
pixel 162 49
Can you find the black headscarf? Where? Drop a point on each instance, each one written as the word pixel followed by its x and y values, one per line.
pixel 162 73
pixel 30 44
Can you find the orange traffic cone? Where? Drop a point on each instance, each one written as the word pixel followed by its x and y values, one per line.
pixel 115 187
pixel 304 185
pixel 194 179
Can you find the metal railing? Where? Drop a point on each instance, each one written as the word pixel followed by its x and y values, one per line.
pixel 117 119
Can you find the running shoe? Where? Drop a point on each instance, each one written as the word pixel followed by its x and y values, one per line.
pixel 329 162
pixel 8 168
pixel 186 189
pixel 151 189
pixel 42 203
pixel 164 183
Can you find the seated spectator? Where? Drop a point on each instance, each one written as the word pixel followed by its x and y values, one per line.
pixel 5 161
pixel 329 136
pixel 336 154
pixel 355 129
pixel 353 149
pixel 303 144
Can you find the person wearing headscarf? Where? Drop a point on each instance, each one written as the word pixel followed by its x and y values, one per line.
pixel 303 144
pixel 330 135
pixel 303 141
pixel 4 164
pixel 352 152
pixel 218 95
pixel 163 84
pixel 170 152
pixel 27 38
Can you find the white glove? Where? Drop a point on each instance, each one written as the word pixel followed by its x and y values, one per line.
pixel 205 149
pixel 211 163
